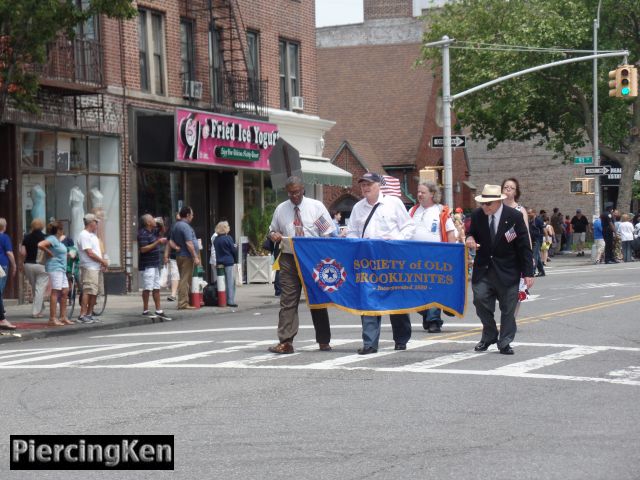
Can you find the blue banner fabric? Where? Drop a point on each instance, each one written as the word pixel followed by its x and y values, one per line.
pixel 379 277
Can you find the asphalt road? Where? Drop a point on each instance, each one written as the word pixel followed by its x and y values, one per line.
pixel 565 406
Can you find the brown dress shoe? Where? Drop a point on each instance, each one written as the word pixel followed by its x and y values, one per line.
pixel 325 347
pixel 282 348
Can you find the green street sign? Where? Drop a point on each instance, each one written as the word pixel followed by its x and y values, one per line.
pixel 582 160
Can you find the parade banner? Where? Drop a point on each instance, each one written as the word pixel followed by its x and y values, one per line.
pixel 378 277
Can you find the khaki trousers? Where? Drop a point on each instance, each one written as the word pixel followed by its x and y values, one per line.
pixel 185 267
pixel 39 279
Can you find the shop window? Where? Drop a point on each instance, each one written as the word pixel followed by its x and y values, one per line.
pixel 38 149
pixel 289 72
pixel 104 155
pixel 72 153
pixel 104 202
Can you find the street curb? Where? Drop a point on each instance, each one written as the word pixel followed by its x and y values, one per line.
pixel 26 335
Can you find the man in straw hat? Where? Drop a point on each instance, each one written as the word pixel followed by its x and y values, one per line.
pixel 503 253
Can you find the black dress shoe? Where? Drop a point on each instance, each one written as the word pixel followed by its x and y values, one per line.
pixel 400 346
pixel 507 350
pixel 367 350
pixel 434 328
pixel 540 274
pixel 482 346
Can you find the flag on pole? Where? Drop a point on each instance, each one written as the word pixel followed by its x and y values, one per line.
pixel 391 186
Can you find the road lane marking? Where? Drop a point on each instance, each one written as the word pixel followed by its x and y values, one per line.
pixel 547 360
pixel 629 373
pixel 438 361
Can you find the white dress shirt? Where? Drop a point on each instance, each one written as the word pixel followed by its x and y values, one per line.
pixel 390 221
pixel 428 224
pixel 313 215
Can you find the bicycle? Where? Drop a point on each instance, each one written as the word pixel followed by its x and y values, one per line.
pixel 75 289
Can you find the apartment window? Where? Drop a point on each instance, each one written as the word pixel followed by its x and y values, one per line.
pixel 151 46
pixel 253 64
pixel 186 50
pixel 217 66
pixel 289 72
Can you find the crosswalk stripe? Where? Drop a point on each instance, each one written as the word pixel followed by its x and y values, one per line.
pixel 545 361
pixel 629 373
pixel 437 362
pixel 65 354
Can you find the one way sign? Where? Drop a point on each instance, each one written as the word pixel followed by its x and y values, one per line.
pixel 603 170
pixel 456 141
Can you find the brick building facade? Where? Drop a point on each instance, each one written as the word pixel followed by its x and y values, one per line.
pixel 108 130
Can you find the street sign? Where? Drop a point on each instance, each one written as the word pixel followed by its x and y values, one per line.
pixel 456 141
pixel 603 170
pixel 582 160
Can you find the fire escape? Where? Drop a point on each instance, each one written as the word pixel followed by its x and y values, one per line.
pixel 219 36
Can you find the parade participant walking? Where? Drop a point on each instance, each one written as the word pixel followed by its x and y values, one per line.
pixel 151 245
pixel 226 254
pixel 385 217
pixel 433 223
pixel 34 271
pixel 187 256
pixel 91 263
pixel 580 225
pixel 503 254
pixel 298 216
pixel 56 267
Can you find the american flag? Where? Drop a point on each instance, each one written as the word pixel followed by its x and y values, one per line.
pixel 322 224
pixel 510 235
pixel 391 186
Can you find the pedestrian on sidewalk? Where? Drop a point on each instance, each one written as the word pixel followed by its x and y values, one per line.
pixel 56 268
pixel 173 275
pixel 298 216
pixel 557 224
pixel 226 255
pixel 580 225
pixel 536 231
pixel 8 264
pixel 92 262
pixel 187 256
pixel 598 239
pixel 34 271
pixel 500 237
pixel 625 229
pixel 151 245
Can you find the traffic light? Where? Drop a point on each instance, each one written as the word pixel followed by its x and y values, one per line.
pixel 623 82
pixel 582 186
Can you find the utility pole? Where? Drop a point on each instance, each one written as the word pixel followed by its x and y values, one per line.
pixel 596 147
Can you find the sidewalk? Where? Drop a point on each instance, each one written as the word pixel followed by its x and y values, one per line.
pixel 125 311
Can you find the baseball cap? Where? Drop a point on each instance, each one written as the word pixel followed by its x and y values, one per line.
pixel 370 177
pixel 90 217
pixel 578 211
pixel 458 210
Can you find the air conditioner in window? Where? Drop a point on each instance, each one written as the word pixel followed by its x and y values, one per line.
pixel 192 89
pixel 297 104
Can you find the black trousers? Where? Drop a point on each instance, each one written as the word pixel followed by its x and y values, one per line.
pixel 485 293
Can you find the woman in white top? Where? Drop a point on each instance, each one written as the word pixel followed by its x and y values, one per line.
pixel 625 230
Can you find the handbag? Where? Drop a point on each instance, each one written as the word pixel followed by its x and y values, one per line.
pixel 41 257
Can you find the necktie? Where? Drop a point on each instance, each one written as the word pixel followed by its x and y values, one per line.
pixel 492 228
pixel 297 222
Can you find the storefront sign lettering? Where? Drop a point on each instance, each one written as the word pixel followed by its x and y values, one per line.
pixel 218 139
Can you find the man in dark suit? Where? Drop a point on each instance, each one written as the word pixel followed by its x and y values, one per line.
pixel 503 253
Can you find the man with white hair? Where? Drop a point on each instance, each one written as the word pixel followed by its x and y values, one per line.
pixel 151 244
pixel 91 263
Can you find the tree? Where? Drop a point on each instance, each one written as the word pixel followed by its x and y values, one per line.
pixel 552 106
pixel 27 27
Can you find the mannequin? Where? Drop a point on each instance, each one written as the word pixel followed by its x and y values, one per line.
pixel 76 202
pixel 97 204
pixel 38 197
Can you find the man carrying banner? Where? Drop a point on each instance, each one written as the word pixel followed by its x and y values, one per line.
pixel 299 216
pixel 433 224
pixel 503 252
pixel 385 217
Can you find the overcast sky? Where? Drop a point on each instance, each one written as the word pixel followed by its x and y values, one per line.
pixel 338 12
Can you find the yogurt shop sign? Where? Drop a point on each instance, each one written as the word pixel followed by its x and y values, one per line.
pixel 223 140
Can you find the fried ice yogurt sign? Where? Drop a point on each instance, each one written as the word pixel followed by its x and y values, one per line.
pixel 223 140
pixel 376 277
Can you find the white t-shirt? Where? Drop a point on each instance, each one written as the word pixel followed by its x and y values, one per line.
pixel 625 229
pixel 390 220
pixel 89 240
pixel 428 224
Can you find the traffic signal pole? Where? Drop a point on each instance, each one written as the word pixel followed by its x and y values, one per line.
pixel 595 143
pixel 448 99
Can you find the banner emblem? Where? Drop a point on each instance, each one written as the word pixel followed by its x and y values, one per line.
pixel 329 275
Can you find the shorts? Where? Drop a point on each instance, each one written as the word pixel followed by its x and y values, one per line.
pixel 90 280
pixel 58 280
pixel 150 278
pixel 579 237
pixel 174 273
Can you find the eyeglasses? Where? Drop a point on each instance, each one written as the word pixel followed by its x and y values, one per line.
pixel 295 193
pixel 487 204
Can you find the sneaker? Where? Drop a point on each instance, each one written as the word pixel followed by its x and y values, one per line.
pixel 171 298
pixel 163 316
pixel 148 314
pixel 86 319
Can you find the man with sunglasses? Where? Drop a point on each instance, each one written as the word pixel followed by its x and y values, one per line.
pixel 503 251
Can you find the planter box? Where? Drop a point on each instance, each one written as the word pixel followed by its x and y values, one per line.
pixel 259 269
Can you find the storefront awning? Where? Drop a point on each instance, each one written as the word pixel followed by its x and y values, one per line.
pixel 322 171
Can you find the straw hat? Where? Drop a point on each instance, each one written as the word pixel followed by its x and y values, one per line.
pixel 490 193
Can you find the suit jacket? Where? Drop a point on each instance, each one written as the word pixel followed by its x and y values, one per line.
pixel 509 259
